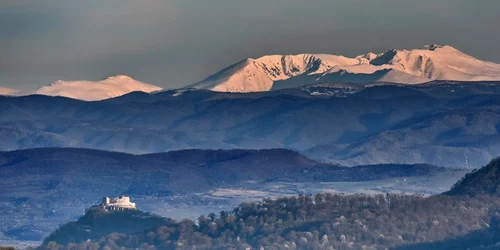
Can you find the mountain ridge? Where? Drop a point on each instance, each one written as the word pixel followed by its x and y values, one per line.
pixel 432 62
pixel 275 72
pixel 428 123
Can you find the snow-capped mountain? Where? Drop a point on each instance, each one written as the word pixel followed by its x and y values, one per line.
pixel 94 91
pixel 433 62
pixel 7 91
pixel 253 75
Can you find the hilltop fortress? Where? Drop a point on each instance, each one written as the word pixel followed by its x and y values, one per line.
pixel 120 203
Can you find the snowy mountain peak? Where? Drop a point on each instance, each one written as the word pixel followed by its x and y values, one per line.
pixel 9 92
pixel 119 78
pixel 253 75
pixel 93 91
pixel 432 62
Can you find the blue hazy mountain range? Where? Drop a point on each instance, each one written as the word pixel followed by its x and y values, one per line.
pixel 451 124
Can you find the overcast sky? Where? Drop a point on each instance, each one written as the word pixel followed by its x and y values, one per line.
pixel 172 43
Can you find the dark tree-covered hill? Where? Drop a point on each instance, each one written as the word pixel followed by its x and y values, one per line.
pixel 484 181
pixel 97 223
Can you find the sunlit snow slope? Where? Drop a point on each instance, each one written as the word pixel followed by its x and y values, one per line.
pixel 7 91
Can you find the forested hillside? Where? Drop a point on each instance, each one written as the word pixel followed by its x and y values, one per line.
pixel 322 221
pixel 484 239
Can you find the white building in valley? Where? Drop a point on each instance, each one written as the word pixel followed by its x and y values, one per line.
pixel 120 203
